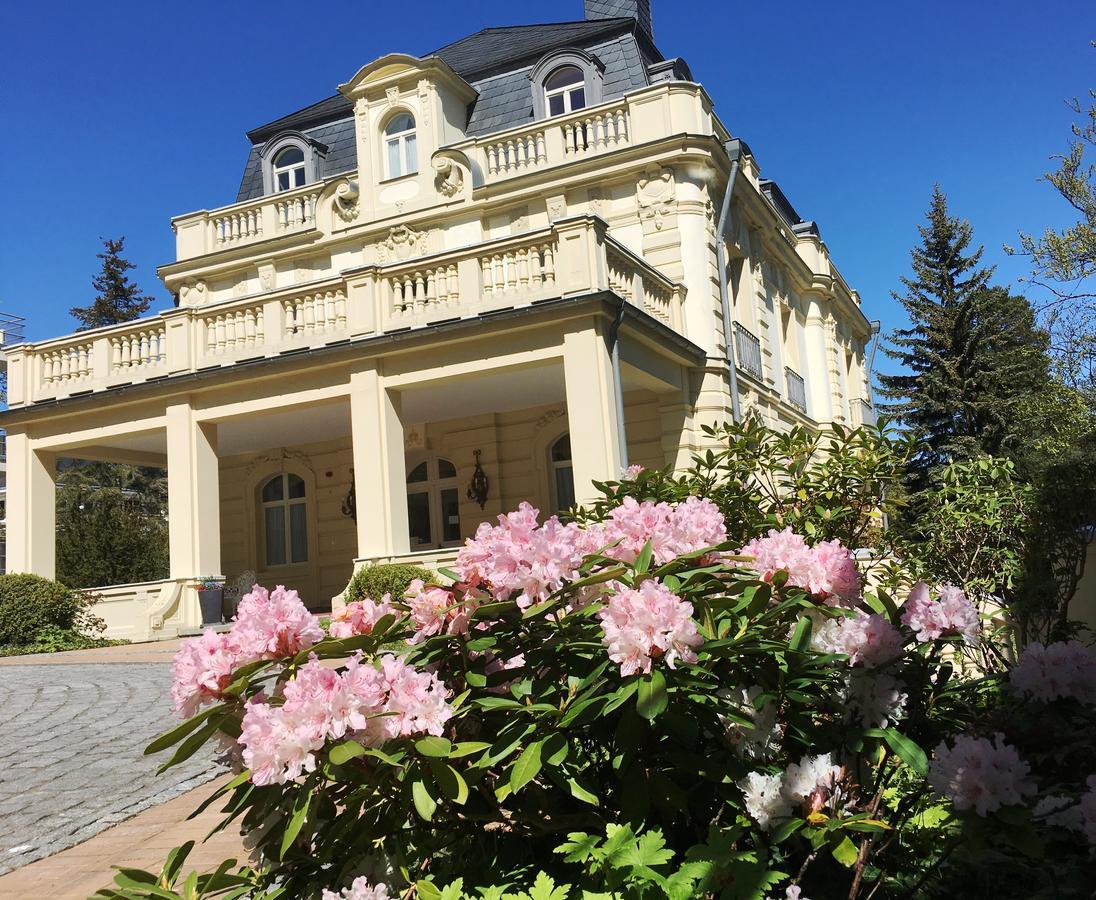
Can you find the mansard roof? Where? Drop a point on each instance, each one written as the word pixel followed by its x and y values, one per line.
pixel 494 61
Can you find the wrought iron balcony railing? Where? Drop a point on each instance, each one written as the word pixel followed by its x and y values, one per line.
pixel 797 389
pixel 749 351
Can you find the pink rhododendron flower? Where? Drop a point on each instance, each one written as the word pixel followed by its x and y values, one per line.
pixel 809 783
pixel 950 614
pixel 1052 671
pixel 867 640
pixel 360 889
pixel 630 473
pixel 200 670
pixel 370 705
pixel 274 624
pixel 435 610
pixel 520 556
pixel 359 617
pixel 981 774
pixel 648 623
pixel 827 570
pixel 673 531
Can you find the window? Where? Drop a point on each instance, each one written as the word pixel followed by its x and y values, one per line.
pixel 562 474
pixel 564 91
pixel 433 504
pixel 285 520
pixel 289 169
pixel 399 146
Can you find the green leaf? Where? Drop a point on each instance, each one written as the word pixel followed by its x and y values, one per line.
pixel 801 638
pixel 467 748
pixel 342 753
pixel 300 813
pixel 192 744
pixel 450 781
pixel 643 561
pixel 425 805
pixel 651 697
pixel 580 792
pixel 427 890
pixel 544 888
pixel 578 847
pixel 906 750
pixel 174 862
pixel 555 749
pixel 846 853
pixel 176 734
pixel 434 746
pixel 527 767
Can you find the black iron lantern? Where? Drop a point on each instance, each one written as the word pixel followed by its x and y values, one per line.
pixel 350 502
pixel 479 485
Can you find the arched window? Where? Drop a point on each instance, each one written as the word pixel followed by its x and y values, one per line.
pixel 433 504
pixel 562 474
pixel 285 520
pixel 399 146
pixel 564 91
pixel 288 169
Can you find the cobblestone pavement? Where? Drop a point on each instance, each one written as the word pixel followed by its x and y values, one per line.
pixel 71 763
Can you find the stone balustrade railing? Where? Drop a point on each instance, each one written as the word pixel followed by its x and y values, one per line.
pixel 568 258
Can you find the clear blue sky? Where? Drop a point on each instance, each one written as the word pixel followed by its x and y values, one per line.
pixel 118 116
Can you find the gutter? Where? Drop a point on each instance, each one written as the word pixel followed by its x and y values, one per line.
pixel 724 295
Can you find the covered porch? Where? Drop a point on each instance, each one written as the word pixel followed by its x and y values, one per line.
pixel 326 461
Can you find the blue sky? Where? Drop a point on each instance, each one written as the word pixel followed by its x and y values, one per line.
pixel 118 116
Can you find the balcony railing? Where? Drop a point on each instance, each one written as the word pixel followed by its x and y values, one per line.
pixel 11 328
pixel 749 351
pixel 570 257
pixel 797 389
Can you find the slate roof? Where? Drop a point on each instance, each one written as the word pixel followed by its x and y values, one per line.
pixel 496 62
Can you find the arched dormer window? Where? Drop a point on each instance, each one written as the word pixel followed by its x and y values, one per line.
pixel 564 81
pixel 290 161
pixel 400 151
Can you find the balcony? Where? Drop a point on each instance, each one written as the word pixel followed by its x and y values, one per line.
pixel 571 257
pixel 11 329
pixel 749 351
pixel 797 389
pixel 641 117
pixel 861 412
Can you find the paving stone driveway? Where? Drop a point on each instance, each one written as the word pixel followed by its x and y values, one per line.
pixel 71 765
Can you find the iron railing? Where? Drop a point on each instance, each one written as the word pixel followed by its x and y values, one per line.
pixel 749 351
pixel 797 389
pixel 11 328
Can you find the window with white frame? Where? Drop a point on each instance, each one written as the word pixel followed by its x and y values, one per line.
pixel 561 474
pixel 401 156
pixel 288 170
pixel 285 520
pixel 433 504
pixel 564 91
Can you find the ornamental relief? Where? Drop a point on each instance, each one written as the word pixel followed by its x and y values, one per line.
pixel 403 242
pixel 656 191
pixel 193 292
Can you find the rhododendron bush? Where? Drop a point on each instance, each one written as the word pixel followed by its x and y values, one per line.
pixel 648 701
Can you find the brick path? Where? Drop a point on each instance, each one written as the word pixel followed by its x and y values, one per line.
pixel 72 731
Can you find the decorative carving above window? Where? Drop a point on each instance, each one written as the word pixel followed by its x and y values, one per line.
pixel 564 81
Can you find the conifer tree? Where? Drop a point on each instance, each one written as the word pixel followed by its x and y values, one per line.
pixel 117 299
pixel 973 355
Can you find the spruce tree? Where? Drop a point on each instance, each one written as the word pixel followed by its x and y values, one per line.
pixel 117 299
pixel 973 354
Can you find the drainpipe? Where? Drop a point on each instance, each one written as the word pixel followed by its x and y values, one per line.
pixel 618 389
pixel 724 295
pixel 876 327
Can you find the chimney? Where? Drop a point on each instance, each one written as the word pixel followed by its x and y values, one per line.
pixel 640 10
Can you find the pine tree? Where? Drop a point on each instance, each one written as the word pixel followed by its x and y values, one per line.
pixel 117 299
pixel 974 355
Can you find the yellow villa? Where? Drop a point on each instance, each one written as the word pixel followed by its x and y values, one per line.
pixel 496 272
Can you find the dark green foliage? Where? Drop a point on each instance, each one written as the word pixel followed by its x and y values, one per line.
pixel 111 525
pixel 974 354
pixel 374 582
pixel 117 298
pixel 29 603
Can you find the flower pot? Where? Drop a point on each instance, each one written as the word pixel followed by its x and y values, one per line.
pixel 212 603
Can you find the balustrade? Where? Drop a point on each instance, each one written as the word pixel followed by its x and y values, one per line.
pixel 414 290
pixel 518 270
pixel 601 129
pixel 232 331
pixel 139 350
pixel 63 365
pixel 520 153
pixel 323 311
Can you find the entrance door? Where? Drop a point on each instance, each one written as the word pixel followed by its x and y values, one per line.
pixel 433 504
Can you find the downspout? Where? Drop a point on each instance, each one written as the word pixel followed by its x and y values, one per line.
pixel 724 295
pixel 876 327
pixel 618 389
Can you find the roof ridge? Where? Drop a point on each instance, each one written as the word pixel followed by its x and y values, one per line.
pixel 616 20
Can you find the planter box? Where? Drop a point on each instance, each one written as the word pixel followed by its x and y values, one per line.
pixel 212 606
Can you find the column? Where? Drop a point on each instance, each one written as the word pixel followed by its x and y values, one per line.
pixel 591 408
pixel 193 495
pixel 31 508
pixel 380 476
pixel 816 364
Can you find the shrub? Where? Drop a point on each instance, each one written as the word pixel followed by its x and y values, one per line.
pixel 373 582
pixel 29 602
pixel 643 706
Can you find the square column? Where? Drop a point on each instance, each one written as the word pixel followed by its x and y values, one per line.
pixel 31 508
pixel 380 475
pixel 193 495
pixel 592 415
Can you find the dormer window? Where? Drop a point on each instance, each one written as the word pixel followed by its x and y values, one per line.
pixel 289 169
pixel 564 91
pixel 399 146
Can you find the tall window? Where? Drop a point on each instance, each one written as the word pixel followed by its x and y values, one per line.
pixel 288 169
pixel 564 90
pixel 433 504
pixel 562 474
pixel 285 520
pixel 399 146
